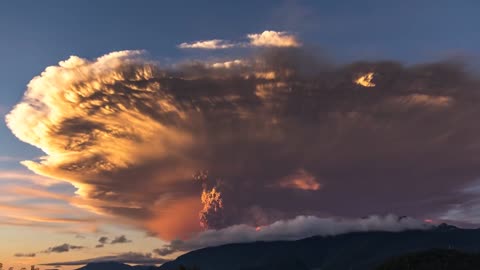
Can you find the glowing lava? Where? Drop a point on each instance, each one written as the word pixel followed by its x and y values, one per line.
pixel 211 215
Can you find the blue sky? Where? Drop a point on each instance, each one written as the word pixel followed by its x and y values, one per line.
pixel 37 34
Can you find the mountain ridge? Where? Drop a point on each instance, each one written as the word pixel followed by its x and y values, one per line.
pixel 361 250
pixel 354 250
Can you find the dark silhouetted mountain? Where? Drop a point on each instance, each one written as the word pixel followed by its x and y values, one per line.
pixel 437 259
pixel 445 227
pixel 106 266
pixel 352 251
pixel 115 266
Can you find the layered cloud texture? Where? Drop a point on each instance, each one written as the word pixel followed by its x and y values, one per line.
pixel 280 134
pixel 292 229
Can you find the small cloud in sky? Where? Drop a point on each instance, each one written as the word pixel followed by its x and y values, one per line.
pixel 62 248
pixel 207 44
pixel 103 240
pixel 25 255
pixel 267 38
pixel 273 39
pixel 120 240
pixel 164 251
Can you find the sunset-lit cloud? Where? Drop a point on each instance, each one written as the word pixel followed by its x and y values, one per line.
pixel 130 135
pixel 266 38
pixel 273 39
pixel 300 180
pixel 365 80
pixel 27 177
pixel 228 64
pixel 30 205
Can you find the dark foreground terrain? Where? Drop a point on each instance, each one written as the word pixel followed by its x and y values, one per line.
pixel 448 248
pixel 437 259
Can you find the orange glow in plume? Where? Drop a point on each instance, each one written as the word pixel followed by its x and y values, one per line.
pixel 366 80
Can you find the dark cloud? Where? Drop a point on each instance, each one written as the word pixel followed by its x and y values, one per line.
pixel 120 240
pixel 25 254
pixel 165 251
pixel 129 257
pixel 103 240
pixel 279 125
pixel 62 248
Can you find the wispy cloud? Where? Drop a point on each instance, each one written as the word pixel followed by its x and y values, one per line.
pixel 62 248
pixel 38 207
pixel 266 38
pixel 27 255
pixel 207 44
pixel 27 177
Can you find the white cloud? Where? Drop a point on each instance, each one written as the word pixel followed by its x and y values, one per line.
pixel 273 39
pixel 267 38
pixel 296 228
pixel 207 44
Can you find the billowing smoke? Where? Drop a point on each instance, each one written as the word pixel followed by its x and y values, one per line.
pixel 287 135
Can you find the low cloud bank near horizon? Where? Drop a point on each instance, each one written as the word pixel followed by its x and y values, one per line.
pixel 128 257
pixel 132 135
pixel 294 229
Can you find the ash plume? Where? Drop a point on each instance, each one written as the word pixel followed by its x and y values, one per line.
pixel 287 133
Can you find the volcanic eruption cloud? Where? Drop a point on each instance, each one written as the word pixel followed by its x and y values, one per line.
pixel 203 145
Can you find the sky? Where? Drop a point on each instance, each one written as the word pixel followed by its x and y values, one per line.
pixel 139 131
